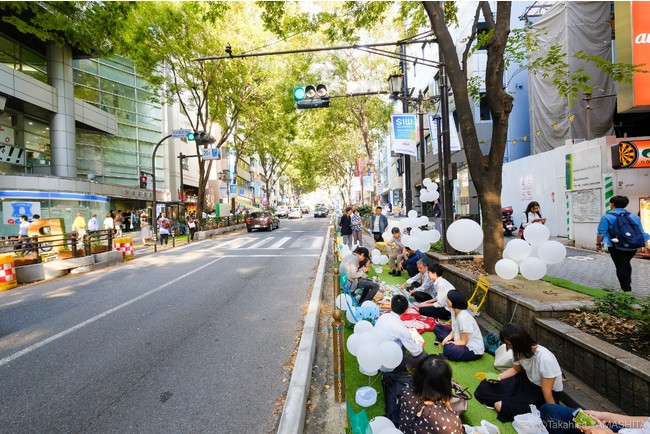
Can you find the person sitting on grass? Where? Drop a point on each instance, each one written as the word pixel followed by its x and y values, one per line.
pixel 437 306
pixel 558 419
pixel 535 377
pixel 420 287
pixel 359 280
pixel 409 262
pixel 425 407
pixel 463 342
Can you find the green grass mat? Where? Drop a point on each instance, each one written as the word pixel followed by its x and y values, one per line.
pixel 464 373
pixel 587 290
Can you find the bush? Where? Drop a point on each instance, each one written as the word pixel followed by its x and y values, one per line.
pixel 643 318
pixel 617 303
pixel 365 210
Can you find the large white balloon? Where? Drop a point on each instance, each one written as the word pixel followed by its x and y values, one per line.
pixel 423 220
pixel 387 236
pixel 363 326
pixel 518 250
pixel 465 235
pixel 416 232
pixel 435 195
pixel 377 424
pixel 375 252
pixel 351 314
pixel 349 264
pixel 368 373
pixel 536 233
pixel 435 236
pixel 354 342
pixel 427 182
pixel 391 354
pixel 375 259
pixel 551 252
pixel 383 260
pixel 413 214
pixel 343 301
pixel 369 356
pixel 506 269
pixel 532 268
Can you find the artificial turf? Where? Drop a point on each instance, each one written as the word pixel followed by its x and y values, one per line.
pixel 587 290
pixel 463 372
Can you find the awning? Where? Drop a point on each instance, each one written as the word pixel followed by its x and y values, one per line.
pixel 246 202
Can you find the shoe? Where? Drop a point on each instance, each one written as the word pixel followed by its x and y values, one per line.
pixel 391 272
pixel 397 274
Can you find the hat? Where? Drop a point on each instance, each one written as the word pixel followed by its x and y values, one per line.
pixel 362 251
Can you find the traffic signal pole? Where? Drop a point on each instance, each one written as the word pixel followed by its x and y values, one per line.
pixel 154 223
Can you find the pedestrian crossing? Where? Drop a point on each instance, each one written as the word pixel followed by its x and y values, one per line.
pixel 270 242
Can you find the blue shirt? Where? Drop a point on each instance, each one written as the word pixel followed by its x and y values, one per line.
pixel 607 221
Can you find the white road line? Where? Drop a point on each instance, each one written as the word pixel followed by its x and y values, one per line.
pixel 44 342
pixel 278 243
pixel 260 243
pixel 232 244
pixel 317 243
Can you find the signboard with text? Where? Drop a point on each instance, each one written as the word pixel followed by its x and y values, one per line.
pixel 404 129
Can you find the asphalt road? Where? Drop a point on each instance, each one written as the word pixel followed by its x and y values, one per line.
pixel 192 339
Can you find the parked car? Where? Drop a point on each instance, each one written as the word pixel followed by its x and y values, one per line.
pixel 262 220
pixel 295 213
pixel 320 212
pixel 282 211
pixel 305 209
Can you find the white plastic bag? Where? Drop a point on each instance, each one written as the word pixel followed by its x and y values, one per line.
pixel 485 428
pixel 529 423
pixel 503 358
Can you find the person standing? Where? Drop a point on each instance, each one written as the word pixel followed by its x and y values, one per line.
pixel 145 229
pixel 22 232
pixel 126 220
pixel 191 225
pixel 379 224
pixel 79 226
pixel 623 233
pixel 93 224
pixel 345 227
pixel 118 223
pixel 437 216
pixel 163 229
pixel 108 222
pixel 355 223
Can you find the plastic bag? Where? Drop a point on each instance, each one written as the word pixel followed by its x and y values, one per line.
pixel 529 423
pixel 503 358
pixel 485 428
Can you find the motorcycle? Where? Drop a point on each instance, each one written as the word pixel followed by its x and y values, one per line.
pixel 508 223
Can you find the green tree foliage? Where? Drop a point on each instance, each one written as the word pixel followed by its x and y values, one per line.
pixel 91 27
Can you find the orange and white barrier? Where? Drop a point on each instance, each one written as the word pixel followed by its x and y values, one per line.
pixel 124 245
pixel 8 279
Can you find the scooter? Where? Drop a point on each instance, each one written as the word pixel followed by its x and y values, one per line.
pixel 508 223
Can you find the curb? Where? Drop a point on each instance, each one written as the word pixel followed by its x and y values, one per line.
pixel 292 420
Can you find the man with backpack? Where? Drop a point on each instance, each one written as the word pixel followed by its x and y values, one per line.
pixel 623 233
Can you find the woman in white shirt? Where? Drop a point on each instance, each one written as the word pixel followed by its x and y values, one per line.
pixel 535 377
pixel 464 342
pixel 532 215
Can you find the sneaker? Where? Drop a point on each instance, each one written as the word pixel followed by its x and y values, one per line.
pixel 397 274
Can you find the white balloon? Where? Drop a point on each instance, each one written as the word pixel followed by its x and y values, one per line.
pixel 551 252
pixel 465 235
pixel 383 260
pixel 368 373
pixel 375 252
pixel 536 233
pixel 390 431
pixel 375 260
pixel 378 270
pixel 518 250
pixel 368 303
pixel 435 236
pixel 369 356
pixel 354 342
pixel 345 251
pixel 407 240
pixel 427 182
pixel 425 246
pixel 362 327
pixel 416 232
pixel 423 220
pixel 532 268
pixel 379 423
pixel 403 224
pixel 413 214
pixel 343 301
pixel 387 236
pixel 349 314
pixel 506 269
pixel 433 186
pixel 391 354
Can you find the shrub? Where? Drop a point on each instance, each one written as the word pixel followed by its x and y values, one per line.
pixel 617 303
pixel 365 210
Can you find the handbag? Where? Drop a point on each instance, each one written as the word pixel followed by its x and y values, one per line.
pixel 460 397
pixel 491 343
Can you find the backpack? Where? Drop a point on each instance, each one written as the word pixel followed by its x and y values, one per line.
pixel 626 232
pixel 165 224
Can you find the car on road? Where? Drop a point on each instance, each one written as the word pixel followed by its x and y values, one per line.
pixel 305 209
pixel 262 220
pixel 320 212
pixel 281 211
pixel 295 213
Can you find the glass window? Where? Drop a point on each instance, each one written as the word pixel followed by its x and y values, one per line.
pixel 116 75
pixel 8 52
pixel 33 64
pixel 87 94
pixel 84 79
pixel 87 65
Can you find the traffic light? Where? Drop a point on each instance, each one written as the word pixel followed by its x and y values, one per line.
pixel 190 136
pixel 143 180
pixel 203 138
pixel 311 96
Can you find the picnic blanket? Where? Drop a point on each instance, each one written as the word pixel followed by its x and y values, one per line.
pixel 421 323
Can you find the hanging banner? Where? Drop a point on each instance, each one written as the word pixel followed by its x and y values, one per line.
pixel 454 140
pixel 404 132
pixel 368 183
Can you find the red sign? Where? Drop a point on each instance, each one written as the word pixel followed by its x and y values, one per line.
pixel 641 50
pixel 631 154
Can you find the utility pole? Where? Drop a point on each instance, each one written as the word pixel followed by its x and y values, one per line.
pixel 408 194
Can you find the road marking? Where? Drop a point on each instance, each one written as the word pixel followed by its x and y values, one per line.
pixel 260 243
pixel 44 342
pixel 278 243
pixel 232 244
pixel 317 243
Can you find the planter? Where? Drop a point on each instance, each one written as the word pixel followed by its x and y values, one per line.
pixel 98 249
pixel 24 260
pixel 614 373
pixel 64 255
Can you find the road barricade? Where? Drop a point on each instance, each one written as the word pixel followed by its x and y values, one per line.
pixel 124 245
pixel 8 279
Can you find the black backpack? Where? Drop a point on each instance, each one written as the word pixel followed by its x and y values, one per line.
pixel 625 233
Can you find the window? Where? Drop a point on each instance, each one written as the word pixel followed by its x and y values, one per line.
pixel 481 30
pixel 485 114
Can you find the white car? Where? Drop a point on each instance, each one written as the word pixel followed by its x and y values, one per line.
pixel 295 213
pixel 281 211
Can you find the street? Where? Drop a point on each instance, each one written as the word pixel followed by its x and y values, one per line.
pixel 192 339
